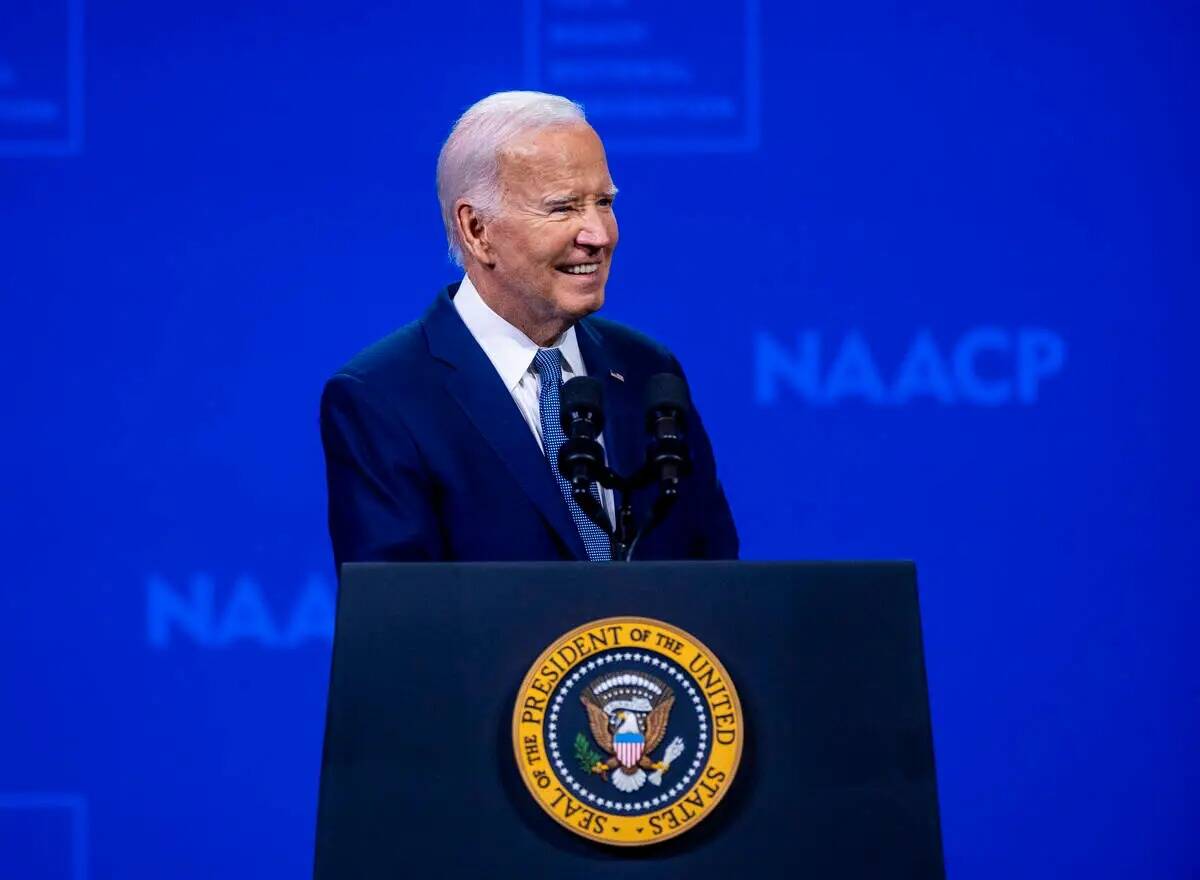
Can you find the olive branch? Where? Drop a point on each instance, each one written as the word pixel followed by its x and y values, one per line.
pixel 585 754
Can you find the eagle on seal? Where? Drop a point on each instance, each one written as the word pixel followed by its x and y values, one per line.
pixel 627 713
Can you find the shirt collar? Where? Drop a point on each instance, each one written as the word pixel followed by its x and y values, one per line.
pixel 510 351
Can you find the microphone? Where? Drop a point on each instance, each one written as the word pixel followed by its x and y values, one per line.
pixel 581 458
pixel 667 409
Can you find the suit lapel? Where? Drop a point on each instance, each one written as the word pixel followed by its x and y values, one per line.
pixel 477 388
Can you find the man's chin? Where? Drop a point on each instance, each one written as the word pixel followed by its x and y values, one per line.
pixel 593 305
pixel 581 303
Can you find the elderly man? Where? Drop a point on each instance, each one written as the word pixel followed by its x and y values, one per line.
pixel 439 439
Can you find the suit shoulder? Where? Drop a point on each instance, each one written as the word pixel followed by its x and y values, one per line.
pixel 631 345
pixel 393 358
pixel 394 375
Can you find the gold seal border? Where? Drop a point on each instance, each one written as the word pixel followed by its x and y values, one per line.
pixel 541 660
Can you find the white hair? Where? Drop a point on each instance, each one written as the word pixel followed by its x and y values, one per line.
pixel 468 166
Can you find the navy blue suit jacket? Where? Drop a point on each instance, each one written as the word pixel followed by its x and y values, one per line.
pixel 428 457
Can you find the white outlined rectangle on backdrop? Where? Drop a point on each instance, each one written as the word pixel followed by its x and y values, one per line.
pixel 74 805
pixel 660 77
pixel 42 117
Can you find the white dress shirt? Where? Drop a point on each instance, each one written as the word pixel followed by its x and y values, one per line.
pixel 511 353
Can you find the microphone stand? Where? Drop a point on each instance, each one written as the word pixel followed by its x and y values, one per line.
pixel 625 535
pixel 622 536
pixel 658 512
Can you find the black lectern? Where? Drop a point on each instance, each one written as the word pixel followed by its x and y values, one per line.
pixel 420 775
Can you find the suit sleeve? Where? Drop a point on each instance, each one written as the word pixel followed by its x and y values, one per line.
pixel 714 535
pixel 380 495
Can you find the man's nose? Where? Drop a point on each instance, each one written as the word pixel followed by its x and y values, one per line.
pixel 595 232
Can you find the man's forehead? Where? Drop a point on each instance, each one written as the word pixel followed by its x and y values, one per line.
pixel 557 161
pixel 553 141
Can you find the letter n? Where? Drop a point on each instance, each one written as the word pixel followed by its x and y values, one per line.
pixel 191 613
pixel 798 369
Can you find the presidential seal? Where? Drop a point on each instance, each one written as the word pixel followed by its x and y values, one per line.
pixel 627 731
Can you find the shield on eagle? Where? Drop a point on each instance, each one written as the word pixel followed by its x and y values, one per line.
pixel 629 747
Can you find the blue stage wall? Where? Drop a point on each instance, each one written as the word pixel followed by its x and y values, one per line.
pixel 931 267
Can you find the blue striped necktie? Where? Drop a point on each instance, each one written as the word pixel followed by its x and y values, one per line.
pixel 548 363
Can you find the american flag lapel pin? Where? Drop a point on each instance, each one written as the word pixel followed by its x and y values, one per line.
pixel 616 375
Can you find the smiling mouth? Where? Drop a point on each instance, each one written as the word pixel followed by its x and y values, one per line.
pixel 580 269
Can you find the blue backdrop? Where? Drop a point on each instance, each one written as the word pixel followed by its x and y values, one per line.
pixel 947 251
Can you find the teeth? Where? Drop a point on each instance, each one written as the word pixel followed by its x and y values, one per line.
pixel 585 269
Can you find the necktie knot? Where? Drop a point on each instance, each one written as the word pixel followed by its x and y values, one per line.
pixel 548 364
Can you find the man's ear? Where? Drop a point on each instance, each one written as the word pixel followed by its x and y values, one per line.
pixel 473 233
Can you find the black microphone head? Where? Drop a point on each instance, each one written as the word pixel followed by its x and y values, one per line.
pixel 583 394
pixel 666 391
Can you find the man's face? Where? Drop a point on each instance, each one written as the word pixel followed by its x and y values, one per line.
pixel 552 244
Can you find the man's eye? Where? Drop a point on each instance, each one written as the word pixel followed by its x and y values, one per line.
pixel 560 209
pixel 604 203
